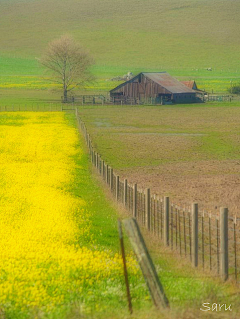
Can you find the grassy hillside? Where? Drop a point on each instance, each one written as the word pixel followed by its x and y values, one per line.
pixel 183 37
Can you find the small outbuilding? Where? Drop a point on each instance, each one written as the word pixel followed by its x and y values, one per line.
pixel 155 88
pixel 190 84
pixel 193 85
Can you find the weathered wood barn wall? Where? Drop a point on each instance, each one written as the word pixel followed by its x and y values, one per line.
pixel 159 86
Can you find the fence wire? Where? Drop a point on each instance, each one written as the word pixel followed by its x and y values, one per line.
pixel 175 225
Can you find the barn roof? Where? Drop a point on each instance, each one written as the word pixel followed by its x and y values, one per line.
pixel 189 84
pixel 168 82
pixel 193 85
pixel 164 79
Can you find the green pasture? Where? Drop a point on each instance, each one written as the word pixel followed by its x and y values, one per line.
pixel 147 136
pixel 181 37
pixel 178 34
pixel 28 74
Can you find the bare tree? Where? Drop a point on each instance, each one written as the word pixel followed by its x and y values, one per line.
pixel 68 62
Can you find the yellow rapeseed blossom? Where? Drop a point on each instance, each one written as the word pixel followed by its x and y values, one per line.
pixel 41 262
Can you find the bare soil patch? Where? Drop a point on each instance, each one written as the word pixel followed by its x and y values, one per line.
pixel 210 183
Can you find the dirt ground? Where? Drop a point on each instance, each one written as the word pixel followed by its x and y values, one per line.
pixel 212 184
pixel 190 153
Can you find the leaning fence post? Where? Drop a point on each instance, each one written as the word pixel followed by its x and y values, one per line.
pixel 224 243
pixel 146 264
pixel 125 266
pixel 195 234
pixel 166 221
pixel 148 214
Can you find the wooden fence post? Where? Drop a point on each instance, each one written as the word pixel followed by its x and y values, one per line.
pixel 149 272
pixel 107 175
pixel 111 179
pixel 103 169
pixel 235 247
pixel 100 166
pixel 117 187
pixel 224 243
pixel 125 266
pixel 91 155
pixel 148 209
pixel 89 146
pixel 195 234
pixel 210 240
pixel 88 140
pixel 125 192
pixel 97 162
pixel 135 200
pixel 166 221
pixel 95 159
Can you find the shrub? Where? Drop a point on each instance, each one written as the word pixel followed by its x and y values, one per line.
pixel 235 89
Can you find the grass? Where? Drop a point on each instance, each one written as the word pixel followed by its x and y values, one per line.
pixel 124 36
pixel 176 133
pixel 118 31
pixel 27 74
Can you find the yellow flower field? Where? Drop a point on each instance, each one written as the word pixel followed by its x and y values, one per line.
pixel 42 264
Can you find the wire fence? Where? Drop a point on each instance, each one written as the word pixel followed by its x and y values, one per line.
pixel 209 241
pixel 49 107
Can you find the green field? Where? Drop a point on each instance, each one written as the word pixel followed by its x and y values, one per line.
pixel 181 37
pixel 196 132
pixel 188 152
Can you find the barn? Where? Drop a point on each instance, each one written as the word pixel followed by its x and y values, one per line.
pixel 153 87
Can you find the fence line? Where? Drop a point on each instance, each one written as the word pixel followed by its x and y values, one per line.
pixel 210 241
pixel 50 107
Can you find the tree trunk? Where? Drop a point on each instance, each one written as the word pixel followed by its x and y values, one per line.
pixel 65 96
